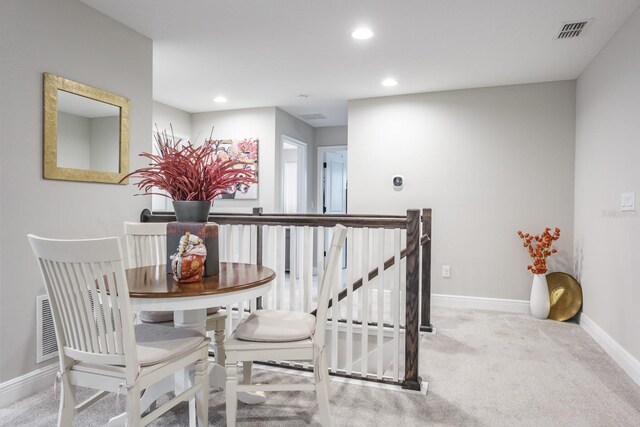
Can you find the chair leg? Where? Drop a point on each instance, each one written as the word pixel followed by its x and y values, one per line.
pixel 218 339
pixel 322 392
pixel 246 372
pixel 67 403
pixel 231 394
pixel 202 397
pixel 133 407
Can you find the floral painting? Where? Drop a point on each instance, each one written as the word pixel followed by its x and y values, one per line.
pixel 246 151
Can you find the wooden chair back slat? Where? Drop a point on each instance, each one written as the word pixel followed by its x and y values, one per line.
pixel 89 298
pixel 146 243
pixel 327 282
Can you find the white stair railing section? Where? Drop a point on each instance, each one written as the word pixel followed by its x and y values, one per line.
pixel 364 332
pixel 379 302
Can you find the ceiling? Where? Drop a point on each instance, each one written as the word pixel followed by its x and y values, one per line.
pixel 267 52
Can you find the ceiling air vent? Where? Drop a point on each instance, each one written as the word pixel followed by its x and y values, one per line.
pixel 314 116
pixel 571 30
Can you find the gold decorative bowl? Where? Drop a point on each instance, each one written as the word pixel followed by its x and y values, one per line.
pixel 565 295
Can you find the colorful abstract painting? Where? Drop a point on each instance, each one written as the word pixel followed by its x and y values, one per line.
pixel 244 150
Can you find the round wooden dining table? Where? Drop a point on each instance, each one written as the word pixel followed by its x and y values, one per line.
pixel 153 289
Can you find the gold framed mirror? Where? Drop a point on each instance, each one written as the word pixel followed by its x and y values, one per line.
pixel 85 134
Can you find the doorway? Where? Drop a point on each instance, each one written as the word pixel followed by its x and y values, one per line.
pixel 332 180
pixel 332 186
pixel 294 176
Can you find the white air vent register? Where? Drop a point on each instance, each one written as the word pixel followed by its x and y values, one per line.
pixel 47 347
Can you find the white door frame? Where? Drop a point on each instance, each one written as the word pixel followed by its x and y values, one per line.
pixel 302 161
pixel 321 151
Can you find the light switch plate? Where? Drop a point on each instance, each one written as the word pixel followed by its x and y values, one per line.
pixel 628 202
pixel 446 271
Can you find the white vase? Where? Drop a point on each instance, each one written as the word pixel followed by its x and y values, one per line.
pixel 539 301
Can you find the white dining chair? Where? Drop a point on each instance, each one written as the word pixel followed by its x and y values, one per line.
pixel 285 335
pixel 99 346
pixel 146 244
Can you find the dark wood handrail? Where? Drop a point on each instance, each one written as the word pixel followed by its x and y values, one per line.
pixel 354 221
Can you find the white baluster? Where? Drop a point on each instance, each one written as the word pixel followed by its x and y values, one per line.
pixel 349 335
pixel 380 316
pixel 395 299
pixel 364 302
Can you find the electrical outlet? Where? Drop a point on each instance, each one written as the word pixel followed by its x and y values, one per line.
pixel 446 271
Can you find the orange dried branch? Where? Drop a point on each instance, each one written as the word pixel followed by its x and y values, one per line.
pixel 540 249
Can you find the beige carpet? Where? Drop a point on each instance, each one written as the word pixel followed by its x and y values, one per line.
pixel 483 368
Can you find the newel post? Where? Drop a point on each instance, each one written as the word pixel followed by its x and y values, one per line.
pixel 425 321
pixel 412 336
pixel 258 212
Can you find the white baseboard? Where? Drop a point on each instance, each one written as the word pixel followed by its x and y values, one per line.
pixel 480 303
pixel 18 388
pixel 627 362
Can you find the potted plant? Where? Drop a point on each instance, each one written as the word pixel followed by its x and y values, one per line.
pixel 540 247
pixel 192 176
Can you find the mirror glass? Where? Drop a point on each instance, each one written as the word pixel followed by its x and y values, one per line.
pixel 88 133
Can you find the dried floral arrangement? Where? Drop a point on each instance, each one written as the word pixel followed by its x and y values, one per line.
pixel 540 247
pixel 190 173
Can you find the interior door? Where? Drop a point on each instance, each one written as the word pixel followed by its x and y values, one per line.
pixel 334 190
pixel 335 183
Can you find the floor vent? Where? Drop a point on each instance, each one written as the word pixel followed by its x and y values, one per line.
pixel 571 30
pixel 47 347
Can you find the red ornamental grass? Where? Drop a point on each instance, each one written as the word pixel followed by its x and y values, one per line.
pixel 187 172
pixel 540 249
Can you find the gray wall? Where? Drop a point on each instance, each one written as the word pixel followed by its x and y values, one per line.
pixel 67 38
pixel 488 161
pixel 165 117
pixel 238 124
pixel 295 128
pixel 607 156
pixel 331 135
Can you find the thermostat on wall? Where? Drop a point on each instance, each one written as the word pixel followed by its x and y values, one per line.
pixel 398 182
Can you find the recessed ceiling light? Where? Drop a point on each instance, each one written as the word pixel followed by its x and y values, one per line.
pixel 390 82
pixel 362 33
pixel 220 99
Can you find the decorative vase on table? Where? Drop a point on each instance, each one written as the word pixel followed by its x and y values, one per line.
pixel 192 210
pixel 539 302
pixel 192 219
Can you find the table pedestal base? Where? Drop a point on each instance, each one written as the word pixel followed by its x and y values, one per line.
pixel 196 320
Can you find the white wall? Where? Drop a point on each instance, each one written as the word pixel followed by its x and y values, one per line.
pixel 238 124
pixel 67 38
pixel 488 161
pixel 607 248
pixel 165 117
pixel 330 135
pixel 295 128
